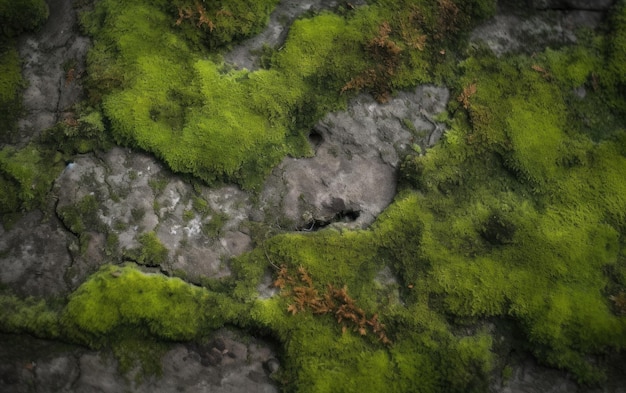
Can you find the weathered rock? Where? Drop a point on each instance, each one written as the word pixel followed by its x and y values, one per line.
pixel 514 30
pixel 54 61
pixel 34 256
pixel 272 365
pixel 136 195
pixel 352 177
pixel 529 377
pixel 578 5
pixel 57 374
pixel 32 365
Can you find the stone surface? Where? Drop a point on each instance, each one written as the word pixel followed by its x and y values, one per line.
pixel 514 30
pixel 529 377
pixel 580 5
pixel 34 256
pixel 32 365
pixel 352 176
pixel 136 195
pixel 349 181
pixel 54 61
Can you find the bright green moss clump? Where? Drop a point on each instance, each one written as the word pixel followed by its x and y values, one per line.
pixel 164 94
pixel 117 298
pixel 517 215
pixel 523 207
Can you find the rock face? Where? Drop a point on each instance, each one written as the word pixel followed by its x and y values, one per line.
pixel 54 61
pixel 352 176
pixel 102 203
pixel 529 377
pixel 34 256
pixel 31 365
pixel 576 5
pixel 135 195
pixel 514 30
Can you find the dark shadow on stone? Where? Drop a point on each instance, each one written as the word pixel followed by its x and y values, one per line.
pixel 341 216
pixel 315 139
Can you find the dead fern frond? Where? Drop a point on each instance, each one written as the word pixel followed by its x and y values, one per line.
pixel 466 94
pixel 619 301
pixel 544 73
pixel 335 301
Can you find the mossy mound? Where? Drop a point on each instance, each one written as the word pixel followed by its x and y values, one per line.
pixel 516 216
pixel 164 93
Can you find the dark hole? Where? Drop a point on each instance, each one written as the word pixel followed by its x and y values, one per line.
pixel 315 138
pixel 342 216
pixel 497 230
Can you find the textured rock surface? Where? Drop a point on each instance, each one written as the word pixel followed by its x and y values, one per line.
pixel 136 195
pixel 352 176
pixel 350 179
pixel 32 365
pixel 584 5
pixel 513 29
pixel 54 60
pixel 529 377
pixel 34 256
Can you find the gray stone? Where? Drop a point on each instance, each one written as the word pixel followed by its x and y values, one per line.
pixel 49 54
pixel 583 5
pixel 34 256
pixel 272 365
pixel 57 374
pixel 352 176
pixel 514 30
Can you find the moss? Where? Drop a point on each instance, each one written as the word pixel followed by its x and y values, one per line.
pixel 517 214
pixel 152 305
pixel 34 316
pixel 219 124
pixel 81 217
pixel 515 207
pixel 152 252
pixel 138 354
pixel 27 175
pixel 16 17
pixel 10 86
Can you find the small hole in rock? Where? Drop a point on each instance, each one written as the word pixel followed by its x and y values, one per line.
pixel 341 216
pixel 315 138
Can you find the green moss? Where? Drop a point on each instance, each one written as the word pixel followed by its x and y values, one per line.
pixel 19 16
pixel 152 252
pixel 139 354
pixel 27 176
pixel 519 213
pixel 10 86
pixel 152 305
pixel 34 316
pixel 516 208
pixel 217 124
pixel 81 217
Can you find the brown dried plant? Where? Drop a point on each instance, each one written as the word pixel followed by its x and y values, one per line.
pixel 544 73
pixel 466 94
pixel 386 55
pixel 619 301
pixel 335 301
pixel 448 19
pixel 70 76
pixel 199 14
